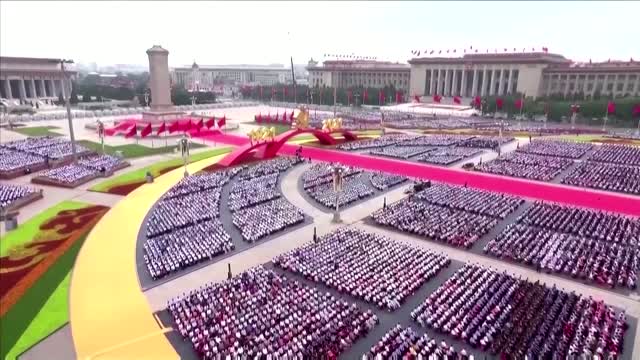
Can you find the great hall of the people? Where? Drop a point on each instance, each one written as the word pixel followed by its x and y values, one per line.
pixel 534 74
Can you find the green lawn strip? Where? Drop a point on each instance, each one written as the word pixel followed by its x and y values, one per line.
pixel 42 310
pixel 130 151
pixel 37 131
pixel 26 231
pixel 155 169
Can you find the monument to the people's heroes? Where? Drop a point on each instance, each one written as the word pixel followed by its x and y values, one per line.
pixel 159 83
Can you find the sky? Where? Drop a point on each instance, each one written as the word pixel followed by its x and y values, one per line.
pixel 216 33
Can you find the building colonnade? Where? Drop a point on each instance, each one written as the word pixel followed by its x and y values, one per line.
pixel 469 81
pixel 23 87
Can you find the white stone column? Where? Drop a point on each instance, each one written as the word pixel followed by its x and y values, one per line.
pixel 483 90
pixel 43 89
pixel 566 86
pixel 432 82
pixel 447 84
pixel 626 83
pixel 501 86
pixel 53 88
pixel 454 83
pixel 636 87
pixel 32 87
pixel 7 89
pixel 474 83
pixel 492 83
pixel 63 89
pixel 584 84
pixel 439 83
pixel 22 90
pixel 510 82
pixel 463 83
pixel 604 85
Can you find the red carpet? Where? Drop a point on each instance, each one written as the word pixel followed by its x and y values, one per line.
pixel 621 203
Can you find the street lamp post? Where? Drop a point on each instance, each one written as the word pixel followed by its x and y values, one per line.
pixel 66 83
pixel 146 98
pixel 337 188
pixel 183 144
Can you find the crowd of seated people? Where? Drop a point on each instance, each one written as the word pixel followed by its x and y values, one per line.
pixel 587 244
pixel 31 143
pixel 382 141
pixel 245 193
pixel 354 188
pixel 365 265
pixel 401 152
pixel 12 160
pixel 107 163
pixel 322 173
pixel 59 151
pixel 267 218
pixel 486 142
pixel 406 343
pixel 528 166
pixel 604 176
pixel 447 156
pixel 10 193
pixel 383 181
pixel 617 154
pixel 186 246
pixel 261 314
pixel 517 318
pixel 274 166
pixel 68 174
pixel 565 149
pixel 436 140
pixel 184 228
pixel 456 217
pixel 471 200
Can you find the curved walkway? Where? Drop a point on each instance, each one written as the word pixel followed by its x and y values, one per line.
pixel 109 315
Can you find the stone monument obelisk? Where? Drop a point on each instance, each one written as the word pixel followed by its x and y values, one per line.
pixel 159 82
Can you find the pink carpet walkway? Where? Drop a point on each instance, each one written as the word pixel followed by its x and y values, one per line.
pixel 595 199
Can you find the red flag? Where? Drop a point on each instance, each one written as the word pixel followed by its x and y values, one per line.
pixel 222 121
pixel 162 128
pixel 146 131
pixel 636 110
pixel 518 103
pixel 456 99
pixel 132 132
pixel 285 91
pixel 381 97
pixel 477 101
pixel 291 116
pixel 349 96
pixel 416 98
pixel 276 118
pixel 174 126
pixel 210 122
pixel 199 124
pixel 187 126
pixel 398 97
pixel 575 108
pixel 437 98
pixel 365 97
pixel 611 107
pixel 285 119
pixel 499 103
pixel 259 118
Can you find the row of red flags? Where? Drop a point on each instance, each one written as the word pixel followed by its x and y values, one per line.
pixel 519 104
pixel 544 49
pixel 283 119
pixel 175 126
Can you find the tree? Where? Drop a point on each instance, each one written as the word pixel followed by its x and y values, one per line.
pixel 180 96
pixel 74 95
pixel 86 97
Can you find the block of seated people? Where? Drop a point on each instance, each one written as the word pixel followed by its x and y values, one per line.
pixel 515 318
pixel 368 266
pixel 261 314
pixel 587 244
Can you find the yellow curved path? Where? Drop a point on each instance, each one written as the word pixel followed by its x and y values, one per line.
pixel 109 315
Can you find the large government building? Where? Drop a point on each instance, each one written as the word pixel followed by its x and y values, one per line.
pixel 204 77
pixel 533 74
pixel 356 73
pixel 31 79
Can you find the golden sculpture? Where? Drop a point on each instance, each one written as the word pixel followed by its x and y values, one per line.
pixel 331 124
pixel 302 120
pixel 262 134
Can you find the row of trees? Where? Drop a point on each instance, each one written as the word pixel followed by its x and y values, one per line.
pixel 558 110
pixel 323 95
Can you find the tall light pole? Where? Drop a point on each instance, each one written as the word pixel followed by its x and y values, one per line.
pixel 66 84
pixel 337 188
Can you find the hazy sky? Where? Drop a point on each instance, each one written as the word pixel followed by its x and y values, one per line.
pixel 269 32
